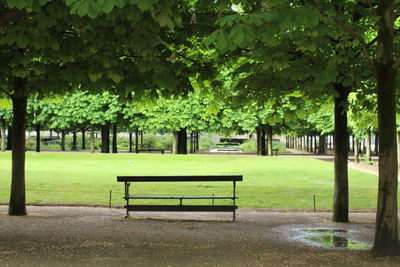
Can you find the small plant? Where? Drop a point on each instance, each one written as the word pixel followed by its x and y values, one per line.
pixel 249 145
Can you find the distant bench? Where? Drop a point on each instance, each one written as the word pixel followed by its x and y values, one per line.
pixel 187 178
pixel 151 150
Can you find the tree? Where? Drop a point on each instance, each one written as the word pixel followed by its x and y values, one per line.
pixel 50 50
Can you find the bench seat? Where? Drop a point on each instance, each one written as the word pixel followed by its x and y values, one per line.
pixel 179 197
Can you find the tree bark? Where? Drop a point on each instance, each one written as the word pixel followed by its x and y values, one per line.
pixel 341 146
pixel 270 140
pixel 114 139
pixel 386 241
pixel 356 150
pixel 105 138
pixel 261 132
pixel 175 143
pixel 130 143
pixel 368 147
pixel 141 139
pixel 3 139
pixel 315 144
pixel 92 141
pixel 74 141
pixel 376 143
pixel 37 137
pixel 83 140
pixel 17 206
pixel 322 145
pixel 191 144
pixel 182 142
pixel 137 141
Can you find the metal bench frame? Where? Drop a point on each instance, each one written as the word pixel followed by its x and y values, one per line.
pixel 185 178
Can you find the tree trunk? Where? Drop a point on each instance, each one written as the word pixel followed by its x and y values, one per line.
pixel 261 137
pixel 83 140
pixel 270 140
pixel 322 145
pixel 3 139
pixel 141 139
pixel 356 150
pixel 62 141
pixel 175 144
pixel 130 143
pixel 191 144
pixel 376 143
pixel 315 144
pixel 17 204
pixel 398 146
pixel 51 134
pixel 92 141
pixel 182 142
pixel 137 141
pixel 9 138
pixel 105 138
pixel 341 146
pixel 37 137
pixel 368 148
pixel 386 227
pixel 114 139
pixel 74 141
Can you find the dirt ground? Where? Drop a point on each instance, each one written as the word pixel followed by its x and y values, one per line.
pixel 88 236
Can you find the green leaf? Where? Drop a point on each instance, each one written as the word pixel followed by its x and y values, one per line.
pixel 222 41
pixel 83 9
pixel 108 6
pixel 43 2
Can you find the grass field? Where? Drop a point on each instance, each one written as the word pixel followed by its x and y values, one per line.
pixel 269 182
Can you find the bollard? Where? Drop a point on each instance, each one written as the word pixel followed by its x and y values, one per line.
pixel 110 199
pixel 315 210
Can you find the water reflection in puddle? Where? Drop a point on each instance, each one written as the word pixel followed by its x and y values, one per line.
pixel 338 238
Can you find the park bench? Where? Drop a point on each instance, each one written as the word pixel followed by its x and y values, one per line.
pixel 151 150
pixel 50 140
pixel 181 207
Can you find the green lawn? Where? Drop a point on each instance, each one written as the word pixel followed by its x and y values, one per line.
pixel 269 182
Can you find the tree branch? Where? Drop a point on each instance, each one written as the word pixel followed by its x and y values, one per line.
pixel 6 92
pixel 351 31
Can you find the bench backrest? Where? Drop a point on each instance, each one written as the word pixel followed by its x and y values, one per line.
pixel 181 178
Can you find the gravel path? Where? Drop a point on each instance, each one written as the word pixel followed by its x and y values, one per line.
pixel 87 236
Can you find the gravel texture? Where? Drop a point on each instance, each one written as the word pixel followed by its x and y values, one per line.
pixel 89 236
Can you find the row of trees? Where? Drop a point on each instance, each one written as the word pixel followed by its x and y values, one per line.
pixel 258 54
pixel 88 113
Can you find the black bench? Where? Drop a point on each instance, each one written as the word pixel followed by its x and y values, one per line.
pixel 187 178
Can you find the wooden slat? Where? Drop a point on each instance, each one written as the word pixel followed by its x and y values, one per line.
pixel 181 178
pixel 179 197
pixel 209 208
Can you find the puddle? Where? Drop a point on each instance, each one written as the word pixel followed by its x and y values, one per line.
pixel 337 238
